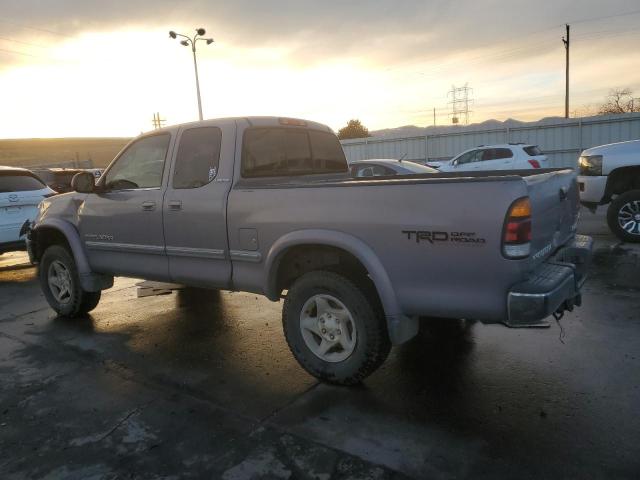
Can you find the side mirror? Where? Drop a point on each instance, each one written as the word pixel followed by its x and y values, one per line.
pixel 83 182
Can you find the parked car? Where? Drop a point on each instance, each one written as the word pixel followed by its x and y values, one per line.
pixel 610 174
pixel 59 179
pixel 387 167
pixel 511 156
pixel 360 260
pixel 20 193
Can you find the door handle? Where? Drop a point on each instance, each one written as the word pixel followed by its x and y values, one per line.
pixel 175 205
pixel 148 205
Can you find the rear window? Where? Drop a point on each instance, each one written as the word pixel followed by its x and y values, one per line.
pixel 277 152
pixel 533 150
pixel 19 183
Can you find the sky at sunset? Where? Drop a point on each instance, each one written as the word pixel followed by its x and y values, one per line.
pixel 89 68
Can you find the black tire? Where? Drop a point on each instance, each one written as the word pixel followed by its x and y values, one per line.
pixel 614 211
pixel 79 301
pixel 372 343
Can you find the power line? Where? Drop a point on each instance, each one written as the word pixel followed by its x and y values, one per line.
pixel 37 29
pixel 22 42
pixel 15 52
pixel 593 19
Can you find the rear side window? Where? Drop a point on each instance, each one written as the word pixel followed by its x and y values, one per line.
pixel 533 151
pixel 19 183
pixel 496 154
pixel 275 152
pixel 198 157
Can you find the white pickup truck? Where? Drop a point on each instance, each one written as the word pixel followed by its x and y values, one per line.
pixel 610 174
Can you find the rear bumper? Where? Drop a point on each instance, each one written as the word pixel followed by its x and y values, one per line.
pixel 553 287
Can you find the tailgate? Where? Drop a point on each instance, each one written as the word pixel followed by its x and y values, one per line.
pixel 554 211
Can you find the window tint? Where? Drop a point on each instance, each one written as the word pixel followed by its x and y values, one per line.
pixel 198 157
pixel 20 182
pixel 496 154
pixel 284 151
pixel 141 165
pixel 533 150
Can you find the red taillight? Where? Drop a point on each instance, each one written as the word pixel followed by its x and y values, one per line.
pixel 516 238
pixel 534 163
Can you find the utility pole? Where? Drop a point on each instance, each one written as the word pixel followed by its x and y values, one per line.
pixel 434 116
pixel 566 41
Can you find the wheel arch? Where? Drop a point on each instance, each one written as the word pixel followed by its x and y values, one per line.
pixel 54 231
pixel 400 327
pixel 620 180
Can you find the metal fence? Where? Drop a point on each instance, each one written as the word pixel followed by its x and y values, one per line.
pixel 561 139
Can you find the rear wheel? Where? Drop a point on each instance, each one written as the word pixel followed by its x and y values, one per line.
pixel 623 216
pixel 334 329
pixel 60 284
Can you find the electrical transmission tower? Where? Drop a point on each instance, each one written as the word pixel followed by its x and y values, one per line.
pixel 157 121
pixel 461 99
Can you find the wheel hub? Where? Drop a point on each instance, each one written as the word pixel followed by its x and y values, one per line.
pixel 629 217
pixel 328 328
pixel 59 280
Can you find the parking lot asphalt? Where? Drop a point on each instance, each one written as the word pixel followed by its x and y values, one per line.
pixel 202 384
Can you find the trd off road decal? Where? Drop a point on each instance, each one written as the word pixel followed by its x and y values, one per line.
pixel 434 237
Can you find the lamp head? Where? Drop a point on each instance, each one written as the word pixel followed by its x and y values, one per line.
pixel 185 43
pixel 172 34
pixel 209 41
pixel 201 31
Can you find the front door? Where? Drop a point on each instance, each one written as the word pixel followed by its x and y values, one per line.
pixel 121 224
pixel 195 226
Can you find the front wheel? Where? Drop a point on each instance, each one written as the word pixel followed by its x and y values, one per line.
pixel 60 284
pixel 334 331
pixel 623 216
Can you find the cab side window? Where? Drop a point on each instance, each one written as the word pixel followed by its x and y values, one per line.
pixel 198 157
pixel 140 166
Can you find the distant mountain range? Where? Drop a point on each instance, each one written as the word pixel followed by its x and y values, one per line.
pixel 414 131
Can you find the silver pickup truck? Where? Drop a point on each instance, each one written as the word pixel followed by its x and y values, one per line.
pixel 266 205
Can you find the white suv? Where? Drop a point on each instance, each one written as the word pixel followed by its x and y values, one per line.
pixel 20 193
pixel 510 156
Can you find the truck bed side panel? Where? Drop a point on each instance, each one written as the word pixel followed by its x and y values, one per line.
pixel 439 242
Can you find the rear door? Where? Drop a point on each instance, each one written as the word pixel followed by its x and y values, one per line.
pixel 496 159
pixel 195 226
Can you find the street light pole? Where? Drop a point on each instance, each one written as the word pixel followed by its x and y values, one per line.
pixel 200 32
